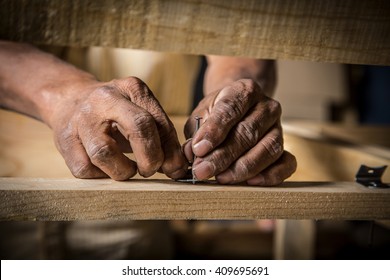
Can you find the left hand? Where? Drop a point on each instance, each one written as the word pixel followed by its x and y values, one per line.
pixel 240 139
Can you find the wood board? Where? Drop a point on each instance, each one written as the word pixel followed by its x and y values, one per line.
pixel 330 31
pixel 73 199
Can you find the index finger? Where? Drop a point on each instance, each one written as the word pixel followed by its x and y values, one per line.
pixel 139 128
pixel 174 165
pixel 230 106
pixel 133 122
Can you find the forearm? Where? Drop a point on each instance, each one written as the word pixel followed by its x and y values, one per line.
pixel 35 83
pixel 223 70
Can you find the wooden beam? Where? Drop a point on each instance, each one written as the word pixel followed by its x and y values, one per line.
pixel 73 199
pixel 294 239
pixel 346 31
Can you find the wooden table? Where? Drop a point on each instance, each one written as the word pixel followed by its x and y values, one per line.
pixel 315 192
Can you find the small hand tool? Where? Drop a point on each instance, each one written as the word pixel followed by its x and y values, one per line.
pixel 197 125
pixel 190 172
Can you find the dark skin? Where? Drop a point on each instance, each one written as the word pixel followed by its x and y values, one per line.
pixel 95 122
pixel 241 138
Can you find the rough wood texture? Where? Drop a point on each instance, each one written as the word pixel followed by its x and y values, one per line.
pixel 326 156
pixel 359 135
pixel 335 31
pixel 72 199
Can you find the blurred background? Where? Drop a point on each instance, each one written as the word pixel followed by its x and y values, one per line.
pixel 320 101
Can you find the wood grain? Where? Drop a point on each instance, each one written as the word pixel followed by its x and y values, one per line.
pixel 333 31
pixel 73 199
pixel 326 156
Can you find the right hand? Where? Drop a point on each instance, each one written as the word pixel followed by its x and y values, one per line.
pixel 96 124
pixel 241 139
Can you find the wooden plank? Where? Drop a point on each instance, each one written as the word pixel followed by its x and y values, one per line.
pixel 324 157
pixel 73 199
pixel 333 31
pixel 359 135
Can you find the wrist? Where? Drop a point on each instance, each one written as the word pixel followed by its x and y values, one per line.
pixel 38 84
pixel 222 71
pixel 59 97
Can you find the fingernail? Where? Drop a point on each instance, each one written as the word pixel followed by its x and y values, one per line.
pixel 202 148
pixel 225 177
pixel 204 170
pixel 258 180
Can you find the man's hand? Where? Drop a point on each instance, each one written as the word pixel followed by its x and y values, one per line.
pixel 93 122
pixel 240 139
pixel 94 126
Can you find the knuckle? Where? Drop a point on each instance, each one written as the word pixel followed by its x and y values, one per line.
pixel 249 85
pixel 141 119
pixel 139 92
pixel 129 83
pixel 244 169
pixel 166 131
pixel 137 88
pixel 133 81
pixel 104 93
pixel 101 153
pixel 221 159
pixel 228 111
pixel 143 126
pixel 273 145
pixel 65 139
pixel 81 170
pixel 247 90
pixel 105 96
pixel 247 134
pixel 275 107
